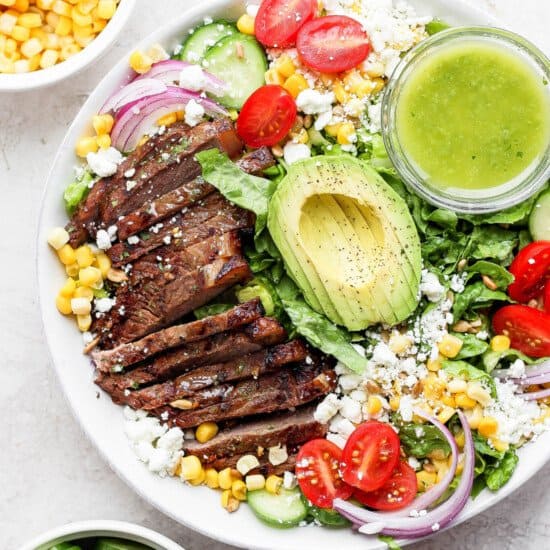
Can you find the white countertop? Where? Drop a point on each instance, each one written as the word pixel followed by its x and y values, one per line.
pixel 49 473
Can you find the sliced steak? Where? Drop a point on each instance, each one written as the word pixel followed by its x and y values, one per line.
pixel 265 468
pixel 288 428
pixel 154 211
pixel 164 340
pixel 199 381
pixel 157 302
pixel 212 216
pixel 221 347
pixel 285 389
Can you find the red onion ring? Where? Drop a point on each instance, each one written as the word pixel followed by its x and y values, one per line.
pixel 138 89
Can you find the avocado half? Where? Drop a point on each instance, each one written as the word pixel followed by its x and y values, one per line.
pixel 348 240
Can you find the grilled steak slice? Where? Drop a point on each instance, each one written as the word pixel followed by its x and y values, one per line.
pixel 164 340
pixel 265 468
pixel 157 302
pixel 289 428
pixel 192 384
pixel 212 216
pixel 156 210
pixel 285 389
pixel 161 164
pixel 224 346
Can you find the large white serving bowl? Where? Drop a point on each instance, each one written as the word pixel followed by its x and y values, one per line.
pixel 196 507
pixel 45 77
pixel 101 528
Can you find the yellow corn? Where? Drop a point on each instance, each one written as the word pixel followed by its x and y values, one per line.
pixel 499 445
pixel 84 292
pixel 295 84
pixel 30 20
pixel 66 254
pixel 255 482
pixel 106 9
pixel 399 343
pixel 86 6
pixel 247 463
pixel 103 262
pixel 488 426
pixel 89 276
pixel 72 270
pixel 425 479
pixel 211 478
pixel 61 8
pixel 375 70
pixel 374 405
pixel 433 387
pixel 206 431
pixel 20 33
pixel 238 489
pixel 21 5
pixel 378 84
pixel 478 393
pixel 448 400
pixel 301 137
pixel 86 145
pixel 63 304
pixel 464 402
pixel 433 365
pixel 356 84
pixel 199 480
pixel 103 124
pixel 272 76
pixel 457 385
pixel 167 120
pixel 31 47
pixel 104 141
pixel 81 19
pixel 68 51
pixel 346 134
pixel 190 468
pixel 99 24
pixel 285 66
pixel 339 92
pixel 474 416
pixel 245 24
pixel 81 306
pixel 68 289
pixel 445 414
pixel 332 129
pixel 140 62
pixel 7 2
pixel 273 484
pixel 394 402
pixel 460 439
pixel 48 59
pixel 229 502
pixel 22 66
pixel 500 343
pixel 226 478
pixel 450 346
pixel 84 322
pixel 84 256
pixel 58 237
pixel 64 26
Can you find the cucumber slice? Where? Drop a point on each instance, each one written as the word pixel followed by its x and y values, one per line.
pixel 240 62
pixel 196 45
pixel 539 220
pixel 285 509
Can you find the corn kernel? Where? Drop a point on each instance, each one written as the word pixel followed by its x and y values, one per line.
pixel 245 24
pixel 425 480
pixel 399 343
pixel 211 478
pixel 355 108
pixel 86 145
pixel 20 33
pixel 374 405
pixel 103 124
pixel 190 467
pixel 374 70
pixel 82 31
pixel 247 463
pixel 301 137
pixel 295 84
pixel 99 24
pixel 464 402
pixel 339 92
pixel 140 62
pixel 394 403
pixel 84 322
pixel 84 292
pixel 500 343
pixel 379 84
pixel 21 5
pixel 45 4
pixel 79 18
pixel 7 23
pixel 199 480
pixel 445 414
pixel 433 365
pixel 106 9
pixel 68 51
pixel 206 431
pixel 238 489
pixel 48 58
pixel 10 47
pixel 488 426
pixel 103 262
pixel 58 237
pixel 457 385
pixel 86 6
pixel 83 41
pixel 499 445
pixel 474 416
pixel 52 19
pixel 29 20
pixel 327 79
pixel 62 8
pixel 226 478
pixel 34 62
pixel 450 346
pixel 31 47
pixel 272 76
pixel 356 84
pixel 332 129
pixel 64 26
pixel 52 41
pixel 7 2
pixel 478 393
pixel 460 439
pixel 448 400
pixel 273 484
pixel 67 290
pixel 63 304
pixel 72 269
pixel 229 502
pixel 167 119
pixel 285 66
pixel 81 306
pixel 89 276
pixel 346 134
pixel 67 255
pixel 255 482
pixel 84 256
pixel 104 141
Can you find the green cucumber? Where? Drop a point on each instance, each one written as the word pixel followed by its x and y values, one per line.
pixel 286 509
pixel 239 61
pixel 539 220
pixel 203 38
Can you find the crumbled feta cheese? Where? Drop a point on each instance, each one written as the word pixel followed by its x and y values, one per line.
pixel 112 231
pixel 193 78
pixel 372 528
pixel 103 240
pixel 457 282
pixel 413 463
pixel 312 102
pixel 383 355
pixel 406 408
pixel 517 369
pixel 327 408
pixel 338 440
pixel 133 239
pixel 289 480
pixel 104 163
pixel 194 112
pixel 130 173
pixel 103 305
pixel 252 9
pixel 349 382
pixel 482 335
pixel 430 286
pixel 342 426
pixel 323 120
pixel 130 184
pixel 294 152
pixel 350 409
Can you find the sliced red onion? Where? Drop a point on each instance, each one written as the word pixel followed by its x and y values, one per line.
pixel 168 72
pixel 532 380
pixel 533 395
pixel 138 118
pixel 542 368
pixel 438 518
pixel 138 89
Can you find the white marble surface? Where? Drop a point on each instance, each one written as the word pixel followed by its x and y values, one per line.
pixel 49 473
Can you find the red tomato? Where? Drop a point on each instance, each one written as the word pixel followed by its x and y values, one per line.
pixel 278 21
pixel 531 269
pixel 397 492
pixel 333 44
pixel 267 116
pixel 370 456
pixel 528 329
pixel 318 473
pixel 546 297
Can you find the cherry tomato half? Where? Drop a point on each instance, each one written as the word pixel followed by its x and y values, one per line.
pixel 278 21
pixel 531 269
pixel 546 297
pixel 396 493
pixel 370 456
pixel 528 329
pixel 267 116
pixel 318 473
pixel 333 44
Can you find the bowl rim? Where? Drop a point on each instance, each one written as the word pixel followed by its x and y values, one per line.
pixel 209 527
pixel 21 82
pixel 103 528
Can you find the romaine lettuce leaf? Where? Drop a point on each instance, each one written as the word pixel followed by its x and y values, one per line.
pixel 476 296
pixel 472 346
pixel 462 369
pixel 419 440
pixel 78 190
pixel 500 275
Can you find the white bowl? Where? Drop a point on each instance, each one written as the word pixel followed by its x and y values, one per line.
pixel 101 528
pixel 45 77
pixel 196 507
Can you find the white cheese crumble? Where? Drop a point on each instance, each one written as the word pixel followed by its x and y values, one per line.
pixel 192 78
pixel 293 152
pixel 103 240
pixel 105 162
pixel 312 102
pixel 133 239
pixel 194 112
pixel 103 305
pixel 430 286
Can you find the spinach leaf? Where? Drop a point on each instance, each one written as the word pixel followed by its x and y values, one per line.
pixel 244 190
pixel 471 345
pixel 78 190
pixel 476 296
pixel 462 369
pixel 498 475
pixel 500 275
pixel 419 440
pixel 483 448
pixel 492 241
pixel 317 329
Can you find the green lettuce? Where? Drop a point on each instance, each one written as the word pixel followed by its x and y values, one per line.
pixel 462 369
pixel 211 309
pixel 497 475
pixel 436 25
pixel 493 359
pixel 262 288
pixel 472 346
pixel 500 275
pixel 476 296
pixel 420 440
pixel 78 190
